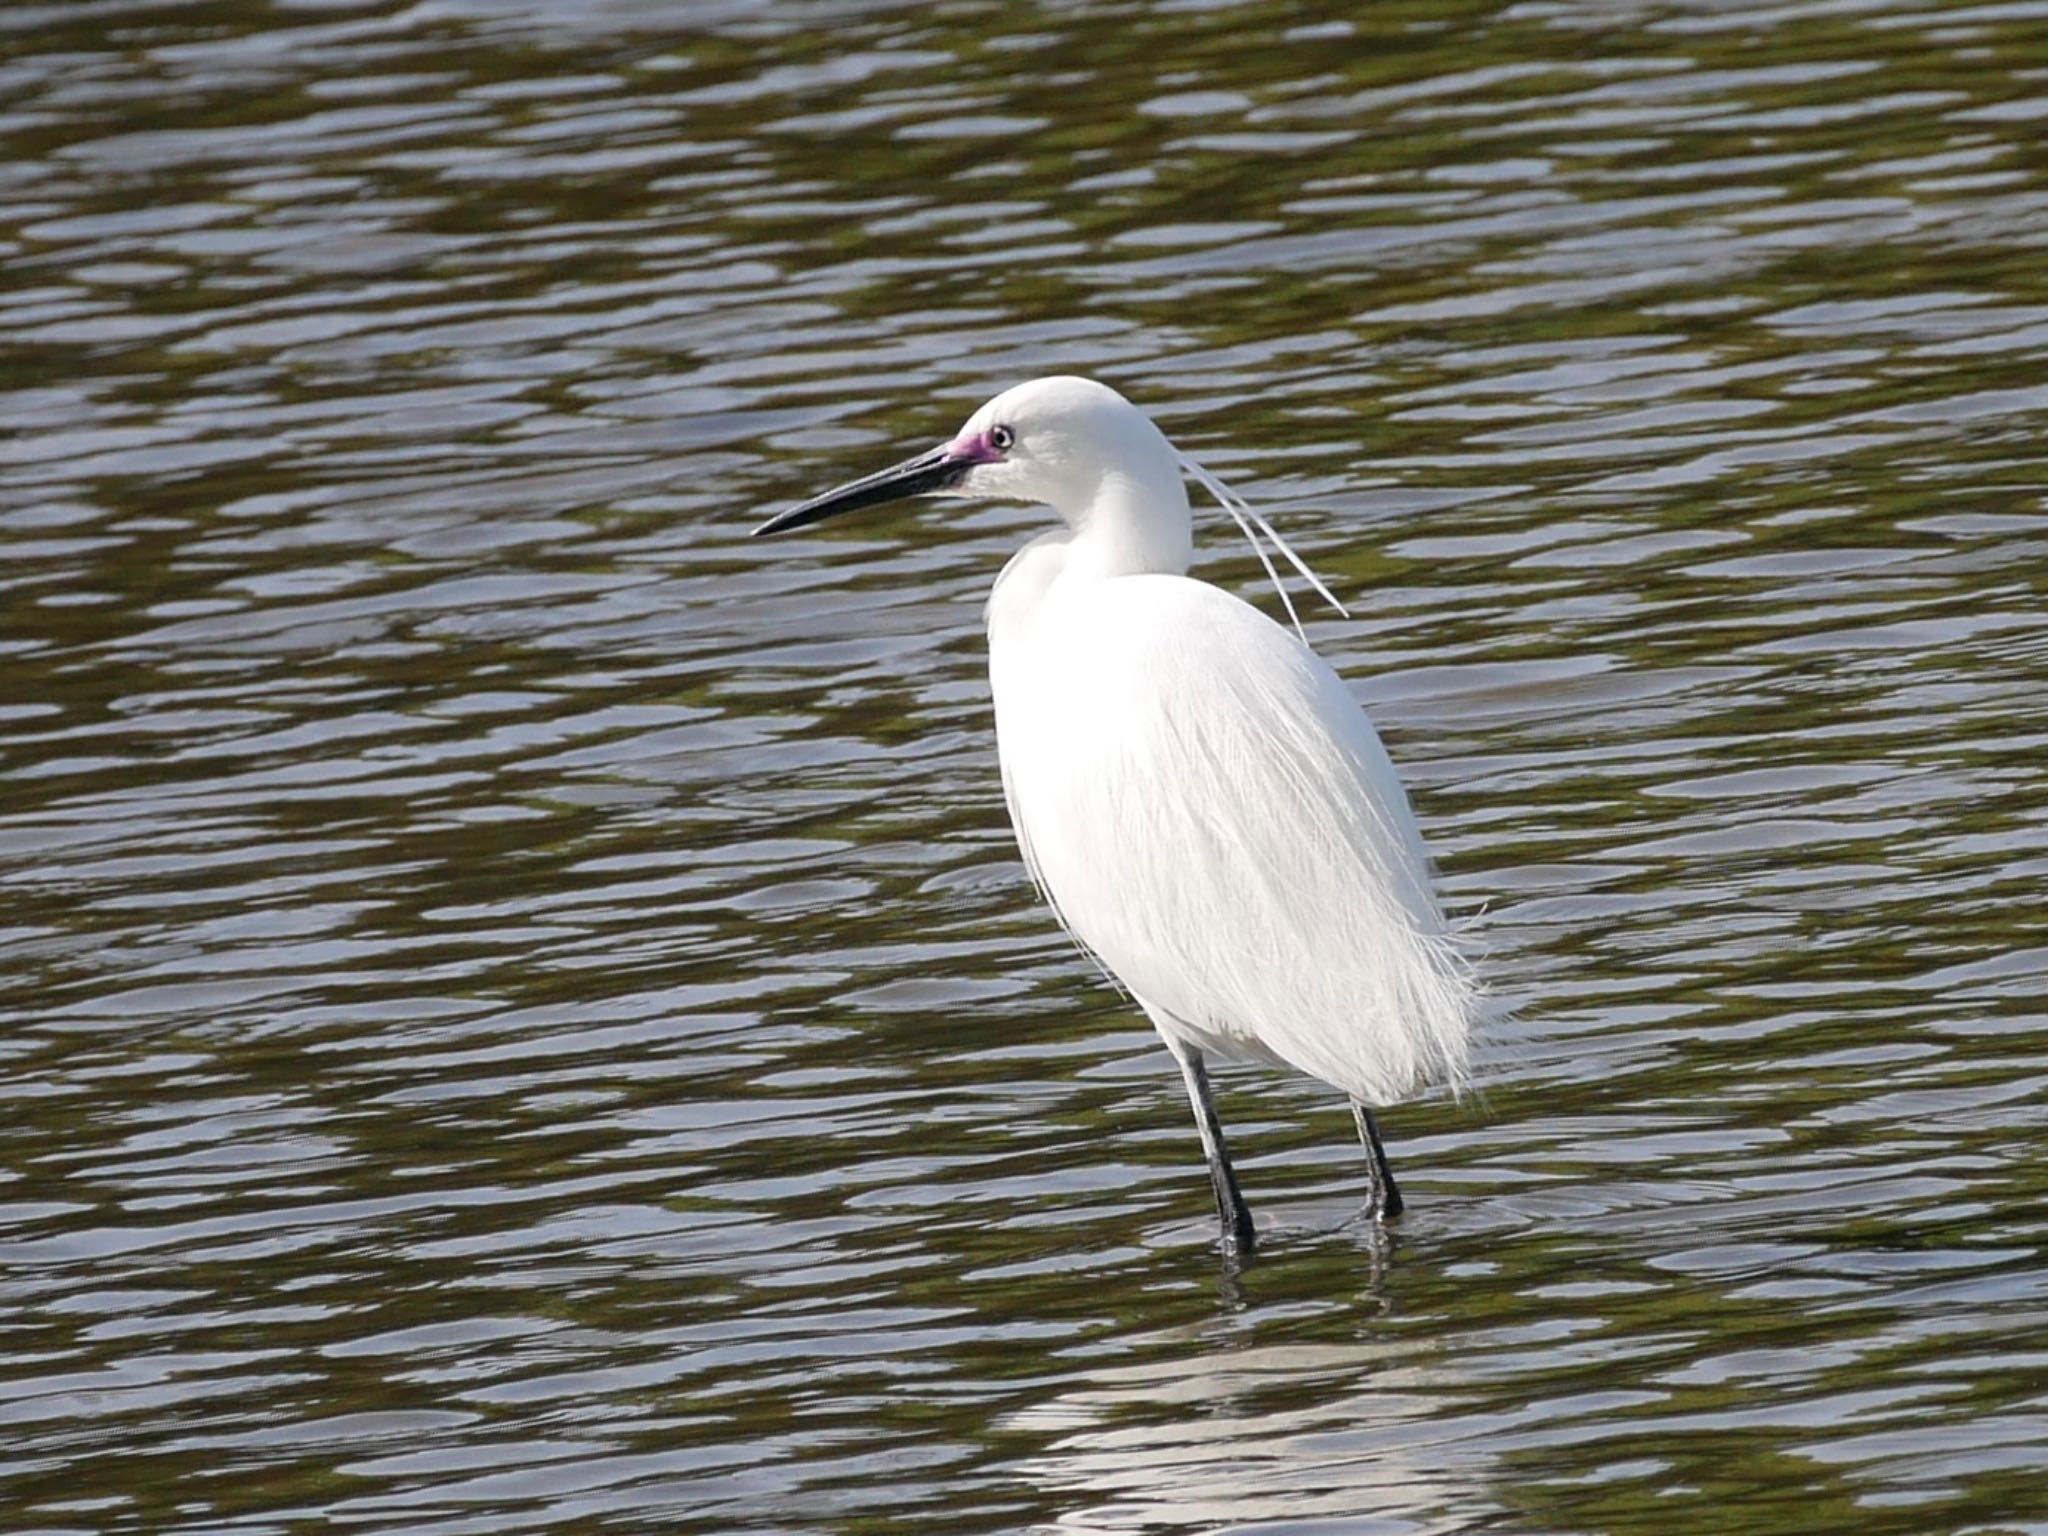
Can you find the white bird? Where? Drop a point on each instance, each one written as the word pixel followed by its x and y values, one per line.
pixel 1195 791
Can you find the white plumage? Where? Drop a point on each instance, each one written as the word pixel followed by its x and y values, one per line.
pixel 1214 818
pixel 1195 790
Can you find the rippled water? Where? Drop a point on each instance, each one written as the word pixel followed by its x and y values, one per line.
pixel 522 1012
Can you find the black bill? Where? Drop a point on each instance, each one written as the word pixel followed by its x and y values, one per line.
pixel 937 470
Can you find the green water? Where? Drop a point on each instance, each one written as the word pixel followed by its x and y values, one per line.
pixel 521 1010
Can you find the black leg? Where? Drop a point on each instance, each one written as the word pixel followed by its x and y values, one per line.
pixel 1230 1207
pixel 1386 1202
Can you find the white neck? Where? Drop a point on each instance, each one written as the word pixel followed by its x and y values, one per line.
pixel 1133 524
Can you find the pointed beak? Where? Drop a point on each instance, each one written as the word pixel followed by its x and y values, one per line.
pixel 926 475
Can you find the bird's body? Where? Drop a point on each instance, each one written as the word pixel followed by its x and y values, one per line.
pixel 1213 817
pixel 1196 792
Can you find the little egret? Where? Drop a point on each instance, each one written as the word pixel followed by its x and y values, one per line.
pixel 1196 793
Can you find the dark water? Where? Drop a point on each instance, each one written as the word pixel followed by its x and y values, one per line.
pixel 521 1009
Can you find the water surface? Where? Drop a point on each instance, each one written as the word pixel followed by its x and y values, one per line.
pixel 522 1012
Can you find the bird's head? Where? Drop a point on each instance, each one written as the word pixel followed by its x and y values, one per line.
pixel 1071 444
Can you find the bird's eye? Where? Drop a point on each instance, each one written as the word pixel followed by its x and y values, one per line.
pixel 1000 438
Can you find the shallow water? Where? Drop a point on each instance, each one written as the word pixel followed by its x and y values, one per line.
pixel 522 1011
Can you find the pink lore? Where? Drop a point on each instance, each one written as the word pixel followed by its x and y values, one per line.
pixel 974 447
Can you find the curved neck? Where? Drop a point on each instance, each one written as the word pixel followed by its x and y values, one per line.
pixel 1133 525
